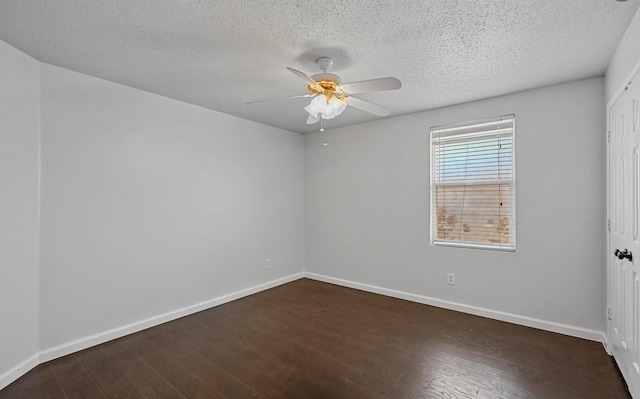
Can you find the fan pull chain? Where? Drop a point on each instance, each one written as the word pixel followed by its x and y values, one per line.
pixel 322 130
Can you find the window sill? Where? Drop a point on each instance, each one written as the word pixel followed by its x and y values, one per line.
pixel 454 244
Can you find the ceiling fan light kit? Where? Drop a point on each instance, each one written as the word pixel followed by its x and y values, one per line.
pixel 330 97
pixel 327 107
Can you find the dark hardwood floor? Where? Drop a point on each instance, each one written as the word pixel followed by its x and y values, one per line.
pixel 310 340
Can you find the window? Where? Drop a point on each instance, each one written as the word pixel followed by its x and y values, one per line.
pixel 473 184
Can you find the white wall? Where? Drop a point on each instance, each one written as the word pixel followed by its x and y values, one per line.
pixel 19 174
pixel 625 60
pixel 151 204
pixel 367 208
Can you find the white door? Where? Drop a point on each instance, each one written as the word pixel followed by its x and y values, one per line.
pixel 624 236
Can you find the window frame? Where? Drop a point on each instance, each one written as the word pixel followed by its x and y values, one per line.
pixel 512 190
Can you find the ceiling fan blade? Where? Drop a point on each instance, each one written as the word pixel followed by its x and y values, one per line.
pixel 306 78
pixel 282 98
pixel 364 86
pixel 367 107
pixel 312 119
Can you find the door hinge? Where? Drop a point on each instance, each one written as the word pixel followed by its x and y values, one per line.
pixel 608 224
pixel 608 313
pixel 608 136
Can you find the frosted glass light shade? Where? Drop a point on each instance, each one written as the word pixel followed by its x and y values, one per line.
pixel 329 110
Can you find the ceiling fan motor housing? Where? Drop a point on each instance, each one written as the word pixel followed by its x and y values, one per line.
pixel 330 83
pixel 328 77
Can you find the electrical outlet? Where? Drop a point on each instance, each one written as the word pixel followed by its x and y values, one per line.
pixel 451 279
pixel 268 263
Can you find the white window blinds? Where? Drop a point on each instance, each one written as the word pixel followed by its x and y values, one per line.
pixel 473 184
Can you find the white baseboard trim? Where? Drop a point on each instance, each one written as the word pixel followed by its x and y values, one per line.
pixel 565 329
pixel 18 371
pixel 605 343
pixel 96 339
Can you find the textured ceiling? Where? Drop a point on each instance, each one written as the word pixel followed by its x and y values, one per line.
pixel 222 54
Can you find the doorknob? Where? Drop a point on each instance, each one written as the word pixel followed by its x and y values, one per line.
pixel 623 254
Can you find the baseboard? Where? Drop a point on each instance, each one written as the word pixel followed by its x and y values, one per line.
pixel 605 343
pixel 96 339
pixel 565 329
pixel 18 371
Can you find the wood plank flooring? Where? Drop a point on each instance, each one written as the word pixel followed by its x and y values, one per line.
pixel 311 340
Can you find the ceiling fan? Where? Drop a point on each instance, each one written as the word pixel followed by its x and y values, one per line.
pixel 331 97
